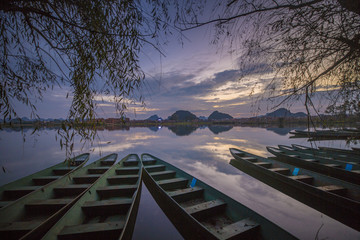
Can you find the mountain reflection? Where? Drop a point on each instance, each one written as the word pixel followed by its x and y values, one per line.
pixel 183 130
pixel 216 129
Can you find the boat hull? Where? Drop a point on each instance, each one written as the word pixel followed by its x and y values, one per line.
pixel 194 226
pixel 340 208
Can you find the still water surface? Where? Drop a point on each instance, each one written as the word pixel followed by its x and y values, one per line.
pixel 202 152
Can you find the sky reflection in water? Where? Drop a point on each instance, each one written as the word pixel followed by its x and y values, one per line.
pixel 202 152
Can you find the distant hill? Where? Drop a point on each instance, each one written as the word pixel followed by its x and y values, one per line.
pixel 219 116
pixel 283 112
pixel 182 115
pixel 153 118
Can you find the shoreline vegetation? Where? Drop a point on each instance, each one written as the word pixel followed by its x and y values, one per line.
pixel 328 121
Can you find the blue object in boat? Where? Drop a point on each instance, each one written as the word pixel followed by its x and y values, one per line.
pixel 348 167
pixel 193 182
pixel 296 171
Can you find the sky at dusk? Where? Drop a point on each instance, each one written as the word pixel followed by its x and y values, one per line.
pixel 195 76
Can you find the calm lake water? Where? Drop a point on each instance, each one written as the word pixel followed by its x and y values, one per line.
pixel 202 152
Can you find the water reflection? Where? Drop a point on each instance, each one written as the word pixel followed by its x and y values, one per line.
pixel 202 154
pixel 216 129
pixel 183 130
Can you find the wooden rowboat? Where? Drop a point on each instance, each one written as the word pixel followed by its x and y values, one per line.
pixel 318 152
pixel 199 211
pixel 19 188
pixel 335 198
pixel 349 153
pixel 108 209
pixel 36 212
pixel 349 172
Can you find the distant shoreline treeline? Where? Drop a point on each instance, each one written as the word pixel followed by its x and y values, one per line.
pixel 323 121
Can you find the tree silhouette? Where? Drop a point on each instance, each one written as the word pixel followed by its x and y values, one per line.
pixel 309 45
pixel 90 46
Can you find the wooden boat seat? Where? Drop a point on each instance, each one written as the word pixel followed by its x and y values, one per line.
pixel 186 194
pixel 131 163
pixel 332 165
pixel 123 179
pixel 333 189
pixel 107 207
pixel 250 159
pixel 173 183
pixel 163 175
pixel 15 193
pixel 206 209
pixel 263 164
pixel 46 206
pixel 63 170
pixel 107 162
pixel 86 178
pixel 149 162
pixel 155 168
pixel 283 171
pixel 303 178
pixel 116 191
pixel 16 230
pixel 70 190
pixel 40 181
pixel 244 229
pixel 106 230
pixel 97 170
pixel 127 170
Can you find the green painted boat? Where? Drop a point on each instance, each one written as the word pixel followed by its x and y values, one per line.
pixel 199 211
pixel 318 152
pixel 347 152
pixel 325 134
pixel 39 210
pixel 108 209
pixel 349 172
pixel 19 188
pixel 335 158
pixel 333 197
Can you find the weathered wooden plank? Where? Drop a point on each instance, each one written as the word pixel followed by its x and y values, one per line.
pixel 333 189
pixel 40 181
pixel 97 170
pixel 244 229
pixel 303 178
pixel 104 230
pixel 70 190
pixel 15 230
pixel 63 170
pixel 163 175
pixel 89 178
pixel 155 168
pixel 15 193
pixel 123 179
pixel 206 209
pixel 107 207
pixel 263 164
pixel 186 194
pixel 174 183
pixel 116 191
pixel 127 170
pixel 283 171
pixel 46 206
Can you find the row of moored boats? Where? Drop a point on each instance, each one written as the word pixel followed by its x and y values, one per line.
pixel 327 179
pixel 100 200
